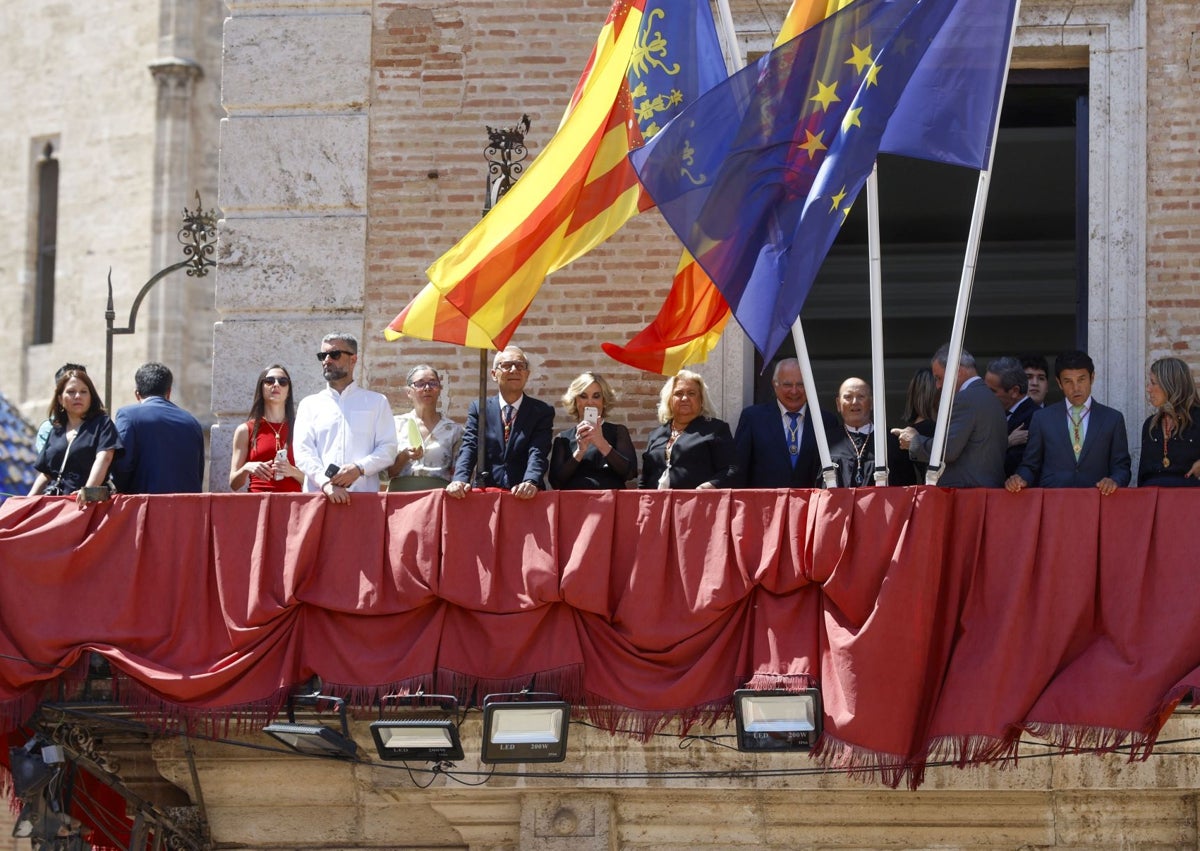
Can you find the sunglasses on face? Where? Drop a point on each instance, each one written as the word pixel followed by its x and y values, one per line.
pixel 336 354
pixel 512 366
pixel 277 379
pixel 426 385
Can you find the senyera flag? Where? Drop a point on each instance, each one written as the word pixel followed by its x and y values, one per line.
pixel 652 58
pixel 694 314
pixel 758 175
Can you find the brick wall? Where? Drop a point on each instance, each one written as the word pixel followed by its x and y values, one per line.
pixel 441 75
pixel 1173 184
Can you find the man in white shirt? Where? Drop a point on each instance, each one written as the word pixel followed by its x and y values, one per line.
pixel 344 430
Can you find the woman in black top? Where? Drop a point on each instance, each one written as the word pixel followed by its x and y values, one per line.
pixel 594 454
pixel 920 412
pixel 692 449
pixel 82 440
pixel 1171 435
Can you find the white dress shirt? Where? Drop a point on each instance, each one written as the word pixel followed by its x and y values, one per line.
pixel 351 427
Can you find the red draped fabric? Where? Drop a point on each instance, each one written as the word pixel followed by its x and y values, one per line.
pixel 935 622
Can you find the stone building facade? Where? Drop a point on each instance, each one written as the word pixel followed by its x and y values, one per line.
pixel 350 158
pixel 124 97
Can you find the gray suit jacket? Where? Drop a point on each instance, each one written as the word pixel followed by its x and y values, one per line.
pixel 975 441
pixel 1049 460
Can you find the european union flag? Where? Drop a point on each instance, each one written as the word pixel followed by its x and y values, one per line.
pixel 758 175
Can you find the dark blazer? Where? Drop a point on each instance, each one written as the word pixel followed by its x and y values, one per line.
pixel 524 459
pixel 703 452
pixel 162 449
pixel 761 449
pixel 1049 460
pixel 976 440
pixel 845 456
pixel 1183 450
pixel 594 471
pixel 1020 417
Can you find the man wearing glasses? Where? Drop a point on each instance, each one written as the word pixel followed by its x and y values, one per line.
pixel 517 436
pixel 345 434
pixel 775 444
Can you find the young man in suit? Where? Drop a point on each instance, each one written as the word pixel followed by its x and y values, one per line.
pixel 162 444
pixel 1075 443
pixel 774 443
pixel 977 435
pixel 517 436
pixel 1006 378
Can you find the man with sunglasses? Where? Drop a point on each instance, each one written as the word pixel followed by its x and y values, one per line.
pixel 517 435
pixel 345 434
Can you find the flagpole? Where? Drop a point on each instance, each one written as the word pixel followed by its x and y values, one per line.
pixel 937 449
pixel 875 264
pixel 828 471
pixel 734 60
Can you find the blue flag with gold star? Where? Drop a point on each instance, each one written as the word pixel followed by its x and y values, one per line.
pixel 758 175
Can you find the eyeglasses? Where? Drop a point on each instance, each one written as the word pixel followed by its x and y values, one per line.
pixel 277 379
pixel 512 366
pixel 336 354
pixel 426 385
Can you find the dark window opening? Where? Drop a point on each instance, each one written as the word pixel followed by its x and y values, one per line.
pixel 1030 291
pixel 47 235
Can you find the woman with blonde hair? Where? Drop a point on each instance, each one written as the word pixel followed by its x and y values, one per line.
pixel 1171 435
pixel 593 454
pixel 692 448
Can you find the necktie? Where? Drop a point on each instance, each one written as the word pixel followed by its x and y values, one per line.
pixel 1077 412
pixel 793 435
pixel 508 421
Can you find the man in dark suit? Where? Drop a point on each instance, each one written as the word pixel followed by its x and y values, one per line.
pixel 517 437
pixel 1075 443
pixel 1006 378
pixel 976 436
pixel 163 445
pixel 774 442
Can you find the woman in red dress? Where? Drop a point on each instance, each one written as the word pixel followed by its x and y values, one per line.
pixel 262 446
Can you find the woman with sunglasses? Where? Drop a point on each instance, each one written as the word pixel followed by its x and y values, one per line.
pixel 262 446
pixel 428 441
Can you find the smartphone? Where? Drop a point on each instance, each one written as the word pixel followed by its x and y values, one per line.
pixel 280 457
pixel 332 470
pixel 591 415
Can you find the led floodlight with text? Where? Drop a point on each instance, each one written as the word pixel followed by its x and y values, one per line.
pixel 424 729
pixel 519 728
pixel 777 720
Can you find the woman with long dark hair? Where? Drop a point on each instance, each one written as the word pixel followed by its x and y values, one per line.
pixel 82 442
pixel 262 446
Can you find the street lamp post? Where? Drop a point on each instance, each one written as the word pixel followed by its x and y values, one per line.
pixel 198 236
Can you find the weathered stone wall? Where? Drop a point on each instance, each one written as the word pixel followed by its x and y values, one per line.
pixel 79 76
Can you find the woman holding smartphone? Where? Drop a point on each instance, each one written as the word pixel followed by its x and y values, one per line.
pixel 594 454
pixel 262 446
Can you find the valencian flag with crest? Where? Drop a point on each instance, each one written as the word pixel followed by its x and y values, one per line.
pixel 653 57
pixel 758 175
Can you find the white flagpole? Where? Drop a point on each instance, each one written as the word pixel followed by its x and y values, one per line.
pixel 735 60
pixel 937 450
pixel 877 380
pixel 828 471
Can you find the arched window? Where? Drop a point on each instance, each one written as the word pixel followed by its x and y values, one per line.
pixel 47 236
